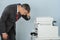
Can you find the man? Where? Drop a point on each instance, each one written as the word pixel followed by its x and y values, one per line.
pixel 9 17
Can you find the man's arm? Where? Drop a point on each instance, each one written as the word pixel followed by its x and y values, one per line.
pixel 26 17
pixel 4 18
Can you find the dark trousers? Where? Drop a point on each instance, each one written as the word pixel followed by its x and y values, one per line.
pixel 11 35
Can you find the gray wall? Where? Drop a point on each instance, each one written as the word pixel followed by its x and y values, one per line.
pixel 39 8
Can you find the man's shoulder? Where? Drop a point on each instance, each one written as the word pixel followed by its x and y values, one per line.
pixel 13 5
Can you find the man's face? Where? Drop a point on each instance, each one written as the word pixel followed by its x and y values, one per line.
pixel 24 11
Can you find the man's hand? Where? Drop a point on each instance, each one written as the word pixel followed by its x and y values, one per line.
pixel 5 36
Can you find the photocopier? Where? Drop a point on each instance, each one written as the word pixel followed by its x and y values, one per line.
pixel 45 29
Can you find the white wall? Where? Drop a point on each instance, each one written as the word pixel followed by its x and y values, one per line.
pixel 38 8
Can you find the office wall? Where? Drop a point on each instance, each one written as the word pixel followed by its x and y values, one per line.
pixel 39 8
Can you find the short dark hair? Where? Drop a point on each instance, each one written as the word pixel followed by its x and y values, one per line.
pixel 26 6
